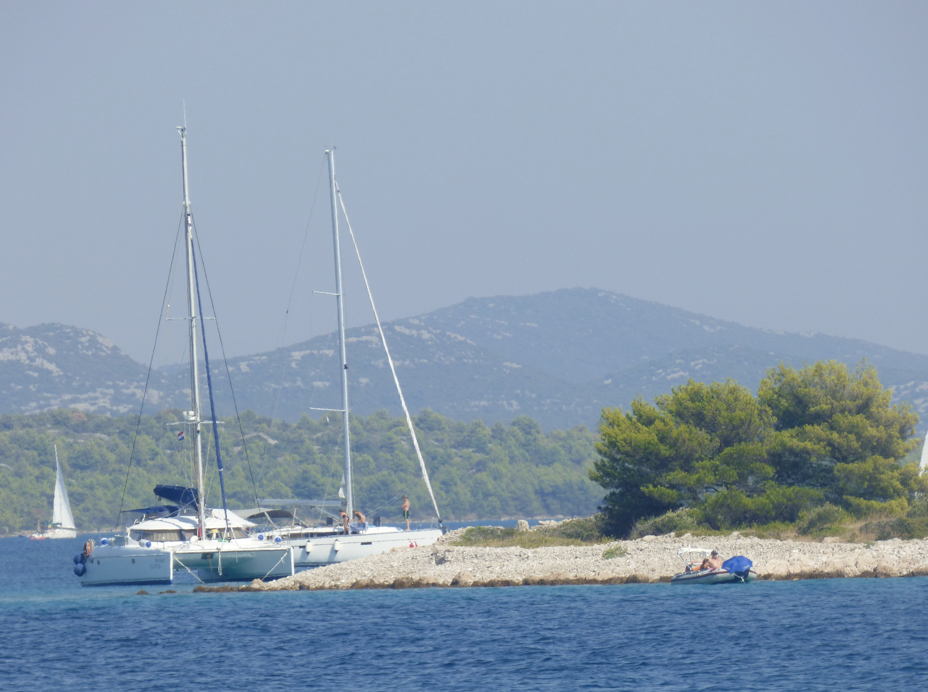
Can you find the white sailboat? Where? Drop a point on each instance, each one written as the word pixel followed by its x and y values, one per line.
pixel 327 544
pixel 62 524
pixel 187 536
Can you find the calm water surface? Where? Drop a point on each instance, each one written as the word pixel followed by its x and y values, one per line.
pixel 842 634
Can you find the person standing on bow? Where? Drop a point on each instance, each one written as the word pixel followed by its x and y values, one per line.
pixel 406 511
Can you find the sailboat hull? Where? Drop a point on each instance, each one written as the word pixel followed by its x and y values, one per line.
pixel 328 550
pixel 234 564
pixel 54 533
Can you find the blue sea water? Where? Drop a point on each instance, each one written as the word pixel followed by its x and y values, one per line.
pixel 839 634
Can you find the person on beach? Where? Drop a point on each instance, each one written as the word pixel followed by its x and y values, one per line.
pixel 406 511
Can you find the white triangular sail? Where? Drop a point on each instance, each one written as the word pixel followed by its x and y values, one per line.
pixel 923 464
pixel 61 510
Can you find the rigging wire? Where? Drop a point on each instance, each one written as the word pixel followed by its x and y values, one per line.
pixel 151 361
pixel 225 360
pixel 162 414
pixel 188 465
pixel 171 376
pixel 283 329
pixel 212 402
pixel 388 503
pixel 399 390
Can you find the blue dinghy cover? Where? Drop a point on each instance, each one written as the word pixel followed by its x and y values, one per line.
pixel 737 564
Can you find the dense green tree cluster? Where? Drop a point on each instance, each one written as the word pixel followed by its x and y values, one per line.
pixel 815 436
pixel 477 472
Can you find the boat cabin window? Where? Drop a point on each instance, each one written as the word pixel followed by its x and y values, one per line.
pixel 166 535
pixel 222 533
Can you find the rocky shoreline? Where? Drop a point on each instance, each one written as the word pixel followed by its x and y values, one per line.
pixel 649 559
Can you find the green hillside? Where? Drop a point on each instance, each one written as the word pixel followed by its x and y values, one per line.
pixel 477 472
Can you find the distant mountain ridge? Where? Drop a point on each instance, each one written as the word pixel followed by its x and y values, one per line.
pixel 57 366
pixel 558 357
pixel 584 334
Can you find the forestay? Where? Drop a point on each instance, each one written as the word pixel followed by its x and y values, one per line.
pixel 383 338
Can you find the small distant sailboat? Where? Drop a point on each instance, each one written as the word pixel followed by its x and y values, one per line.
pixel 923 464
pixel 62 524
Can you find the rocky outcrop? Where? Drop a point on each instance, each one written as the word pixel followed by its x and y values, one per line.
pixel 649 559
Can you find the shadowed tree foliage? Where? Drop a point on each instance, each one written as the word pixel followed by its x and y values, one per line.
pixel 815 435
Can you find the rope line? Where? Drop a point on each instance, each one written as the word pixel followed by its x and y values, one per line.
pixel 389 502
pixel 278 377
pixel 177 560
pixel 399 390
pixel 286 550
pixel 151 361
pixel 225 360
pixel 212 402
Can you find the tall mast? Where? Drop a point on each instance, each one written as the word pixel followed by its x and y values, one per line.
pixel 193 417
pixel 330 155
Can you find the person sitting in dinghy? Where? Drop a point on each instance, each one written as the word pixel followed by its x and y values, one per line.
pixel 711 562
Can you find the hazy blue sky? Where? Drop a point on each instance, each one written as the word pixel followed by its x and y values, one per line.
pixel 762 163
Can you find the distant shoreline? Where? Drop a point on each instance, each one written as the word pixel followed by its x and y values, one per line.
pixel 650 559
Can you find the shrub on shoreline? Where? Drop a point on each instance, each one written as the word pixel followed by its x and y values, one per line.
pixel 816 449
pixel 816 523
pixel 586 531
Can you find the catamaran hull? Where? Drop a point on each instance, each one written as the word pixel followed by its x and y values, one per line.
pixel 328 550
pixel 241 565
pixel 719 576
pixel 112 565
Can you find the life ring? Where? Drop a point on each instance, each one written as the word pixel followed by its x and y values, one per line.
pixel 88 548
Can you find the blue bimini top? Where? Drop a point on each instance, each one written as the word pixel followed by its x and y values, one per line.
pixel 737 564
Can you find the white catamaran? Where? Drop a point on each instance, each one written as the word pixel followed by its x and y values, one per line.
pixel 186 535
pixel 62 524
pixel 326 544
